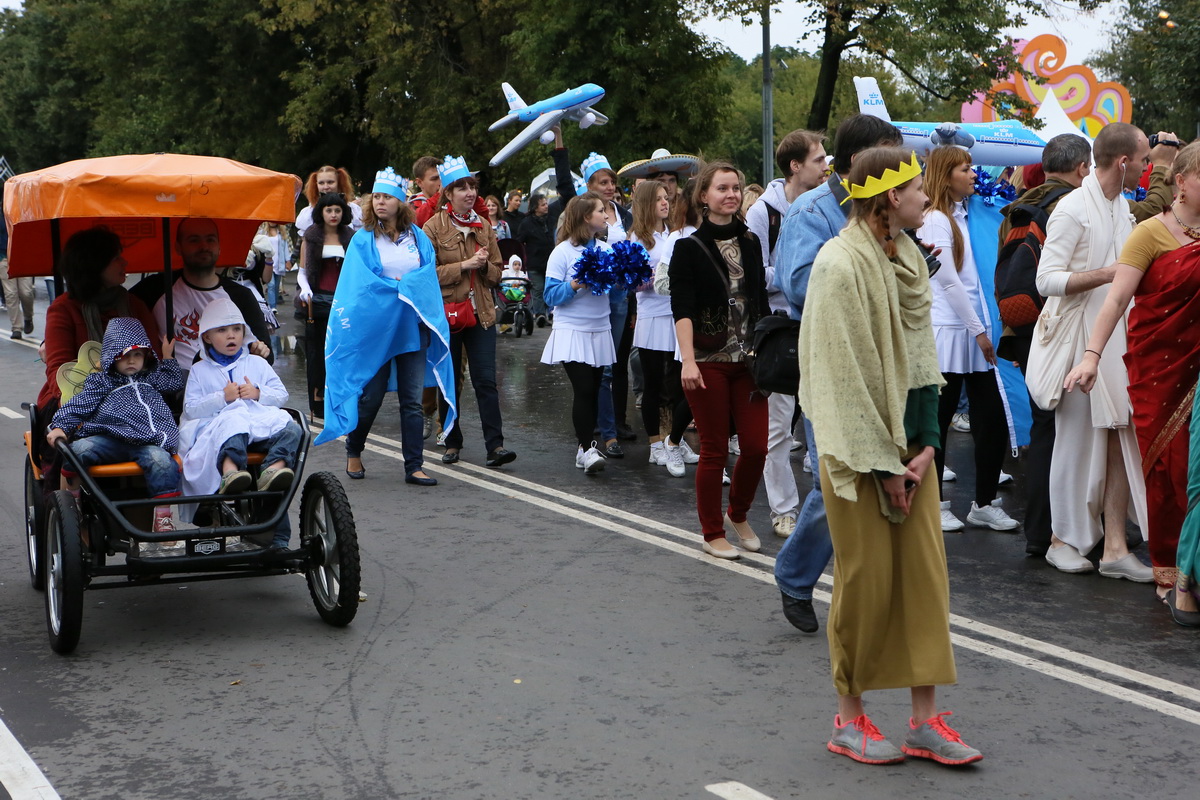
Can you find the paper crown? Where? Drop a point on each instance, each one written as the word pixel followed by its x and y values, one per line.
pixel 388 182
pixel 593 164
pixel 890 179
pixel 453 168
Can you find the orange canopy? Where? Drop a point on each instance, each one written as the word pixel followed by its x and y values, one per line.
pixel 136 195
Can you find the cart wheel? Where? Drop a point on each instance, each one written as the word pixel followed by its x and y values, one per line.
pixel 327 532
pixel 64 573
pixel 34 531
pixel 518 323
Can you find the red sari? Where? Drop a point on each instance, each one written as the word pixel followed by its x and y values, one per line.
pixel 1163 359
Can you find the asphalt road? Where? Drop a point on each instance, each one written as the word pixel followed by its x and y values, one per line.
pixel 535 633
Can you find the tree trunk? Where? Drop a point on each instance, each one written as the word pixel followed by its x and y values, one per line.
pixel 837 24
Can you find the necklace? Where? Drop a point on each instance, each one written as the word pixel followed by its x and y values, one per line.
pixel 1191 232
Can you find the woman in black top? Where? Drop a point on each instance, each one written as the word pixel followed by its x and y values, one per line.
pixel 718 293
pixel 322 251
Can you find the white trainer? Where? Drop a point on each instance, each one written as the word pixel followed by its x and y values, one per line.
pixel 725 478
pixel 673 460
pixel 579 457
pixel 950 523
pixel 689 456
pixel 1004 478
pixel 808 462
pixel 735 449
pixel 949 475
pixel 784 525
pixel 992 516
pixel 658 454
pixel 961 423
pixel 1066 558
pixel 593 460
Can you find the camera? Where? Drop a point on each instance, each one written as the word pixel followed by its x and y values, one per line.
pixel 1155 142
pixel 931 261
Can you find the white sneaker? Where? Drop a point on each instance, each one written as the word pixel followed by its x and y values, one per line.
pixel 735 449
pixel 1066 558
pixel 658 454
pixel 950 523
pixel 441 439
pixel 961 423
pixel 593 460
pixel 796 445
pixel 784 525
pixel 949 475
pixel 1004 478
pixel 579 457
pixel 992 516
pixel 808 462
pixel 673 460
pixel 689 456
pixel 725 478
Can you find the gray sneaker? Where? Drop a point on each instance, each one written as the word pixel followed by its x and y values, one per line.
pixel 860 740
pixel 934 739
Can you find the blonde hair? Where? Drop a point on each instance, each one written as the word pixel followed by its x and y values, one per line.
pixel 1187 161
pixel 573 226
pixel 645 212
pixel 939 167
pixel 405 216
pixel 874 211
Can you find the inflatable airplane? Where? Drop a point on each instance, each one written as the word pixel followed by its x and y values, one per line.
pixel 574 104
pixel 1006 143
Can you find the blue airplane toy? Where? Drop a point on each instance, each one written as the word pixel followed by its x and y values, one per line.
pixel 574 105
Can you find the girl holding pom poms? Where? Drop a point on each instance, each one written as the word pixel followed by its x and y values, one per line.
pixel 578 279
pixel 718 293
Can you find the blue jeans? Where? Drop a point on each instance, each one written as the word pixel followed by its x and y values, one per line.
pixel 807 551
pixel 273 287
pixel 480 344
pixel 280 447
pixel 606 418
pixel 537 306
pixel 410 383
pixel 161 471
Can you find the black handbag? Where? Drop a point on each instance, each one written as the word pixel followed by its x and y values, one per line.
pixel 322 303
pixel 775 365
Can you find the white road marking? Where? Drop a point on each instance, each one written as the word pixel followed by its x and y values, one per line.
pixel 495 481
pixel 732 790
pixel 31 343
pixel 8 412
pixel 19 775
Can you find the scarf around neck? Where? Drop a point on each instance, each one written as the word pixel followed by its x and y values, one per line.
pixel 470 220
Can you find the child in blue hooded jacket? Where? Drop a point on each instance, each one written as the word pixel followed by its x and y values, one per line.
pixel 120 415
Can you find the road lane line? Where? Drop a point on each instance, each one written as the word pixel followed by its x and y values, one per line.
pixel 19 775
pixel 496 479
pixel 732 790
pixel 8 412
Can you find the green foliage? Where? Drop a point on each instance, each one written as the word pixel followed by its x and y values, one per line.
pixel 1159 65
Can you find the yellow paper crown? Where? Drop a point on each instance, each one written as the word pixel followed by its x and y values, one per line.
pixel 890 180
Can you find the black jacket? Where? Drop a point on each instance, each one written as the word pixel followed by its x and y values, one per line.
pixel 537 234
pixel 566 190
pixel 697 291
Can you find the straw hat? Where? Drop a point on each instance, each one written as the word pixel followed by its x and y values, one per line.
pixel 662 160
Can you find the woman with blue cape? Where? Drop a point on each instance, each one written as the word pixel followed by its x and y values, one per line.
pixel 387 330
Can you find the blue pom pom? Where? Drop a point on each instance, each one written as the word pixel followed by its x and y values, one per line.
pixel 631 265
pixel 991 191
pixel 594 269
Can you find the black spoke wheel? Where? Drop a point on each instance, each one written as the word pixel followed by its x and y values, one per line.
pixel 63 567
pixel 518 322
pixel 327 532
pixel 35 513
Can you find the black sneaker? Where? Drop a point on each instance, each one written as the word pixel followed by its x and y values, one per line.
pixel 29 326
pixel 800 613
pixel 626 433
pixel 541 320
pixel 499 457
pixel 613 450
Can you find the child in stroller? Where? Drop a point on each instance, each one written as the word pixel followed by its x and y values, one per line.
pixel 512 298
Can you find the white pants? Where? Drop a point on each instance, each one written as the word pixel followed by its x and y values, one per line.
pixel 1078 473
pixel 782 494
pixel 18 296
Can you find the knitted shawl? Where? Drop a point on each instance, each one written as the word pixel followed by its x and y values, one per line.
pixel 866 341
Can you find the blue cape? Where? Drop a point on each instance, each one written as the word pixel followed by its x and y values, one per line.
pixel 372 320
pixel 983 226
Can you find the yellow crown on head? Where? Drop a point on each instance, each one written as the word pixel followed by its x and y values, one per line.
pixel 890 179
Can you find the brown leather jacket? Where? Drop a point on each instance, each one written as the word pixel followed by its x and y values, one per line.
pixel 453 247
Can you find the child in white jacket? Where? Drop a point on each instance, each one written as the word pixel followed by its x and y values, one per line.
pixel 234 401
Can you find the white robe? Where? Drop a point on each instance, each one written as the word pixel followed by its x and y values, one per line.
pixel 208 421
pixel 1086 232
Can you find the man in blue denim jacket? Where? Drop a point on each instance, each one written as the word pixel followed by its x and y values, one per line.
pixel 813 219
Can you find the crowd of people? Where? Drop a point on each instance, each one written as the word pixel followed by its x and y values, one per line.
pixel 890 266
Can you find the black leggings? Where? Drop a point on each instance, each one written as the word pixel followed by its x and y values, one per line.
pixel 661 387
pixel 989 428
pixel 585 383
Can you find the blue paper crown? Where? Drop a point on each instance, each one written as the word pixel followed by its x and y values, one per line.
pixel 388 182
pixel 592 164
pixel 453 168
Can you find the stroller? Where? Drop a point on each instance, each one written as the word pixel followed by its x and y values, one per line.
pixel 513 297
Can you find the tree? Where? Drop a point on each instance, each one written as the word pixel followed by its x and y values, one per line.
pixel 1159 63
pixel 947 48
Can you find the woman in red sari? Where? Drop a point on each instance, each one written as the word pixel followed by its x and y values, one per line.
pixel 1159 268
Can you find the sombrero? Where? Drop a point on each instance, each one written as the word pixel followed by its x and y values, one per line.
pixel 682 164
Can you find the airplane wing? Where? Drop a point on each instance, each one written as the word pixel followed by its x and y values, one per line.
pixel 535 129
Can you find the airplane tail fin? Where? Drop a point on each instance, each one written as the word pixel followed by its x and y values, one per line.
pixel 870 99
pixel 514 100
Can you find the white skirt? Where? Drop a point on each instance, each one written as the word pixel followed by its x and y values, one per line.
pixel 957 350
pixel 654 333
pixel 587 347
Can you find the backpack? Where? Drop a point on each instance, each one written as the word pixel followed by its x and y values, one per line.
pixel 774 223
pixel 1017 264
pixel 775 366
